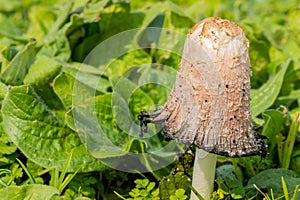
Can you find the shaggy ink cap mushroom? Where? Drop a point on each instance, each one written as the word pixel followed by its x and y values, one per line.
pixel 209 105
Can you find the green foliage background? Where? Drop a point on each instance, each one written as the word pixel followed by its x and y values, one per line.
pixel 42 45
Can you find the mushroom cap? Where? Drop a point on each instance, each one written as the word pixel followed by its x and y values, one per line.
pixel 209 105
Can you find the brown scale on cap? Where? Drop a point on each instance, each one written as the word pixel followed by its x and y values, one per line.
pixel 209 105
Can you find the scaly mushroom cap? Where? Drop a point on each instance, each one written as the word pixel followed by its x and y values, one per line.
pixel 209 105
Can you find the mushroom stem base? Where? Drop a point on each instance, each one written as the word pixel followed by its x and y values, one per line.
pixel 203 174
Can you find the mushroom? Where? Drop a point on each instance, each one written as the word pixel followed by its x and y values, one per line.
pixel 209 105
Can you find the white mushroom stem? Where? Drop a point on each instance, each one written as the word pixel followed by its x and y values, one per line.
pixel 203 174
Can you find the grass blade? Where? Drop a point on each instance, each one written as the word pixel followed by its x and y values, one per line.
pixel 31 178
pixel 54 178
pixel 285 190
pixel 197 193
pixel 272 194
pixel 120 196
pixel 265 96
pixel 64 171
pixel 296 192
pixel 266 196
pixel 67 180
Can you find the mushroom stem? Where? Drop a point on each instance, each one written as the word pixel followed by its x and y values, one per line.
pixel 203 174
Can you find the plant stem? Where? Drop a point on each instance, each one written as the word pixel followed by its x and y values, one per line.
pixel 290 141
pixel 203 174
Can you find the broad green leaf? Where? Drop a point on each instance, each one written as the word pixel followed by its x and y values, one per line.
pixel 11 6
pixel 266 95
pixel 293 19
pixel 40 76
pixel 259 56
pixel 172 25
pixel 89 76
pixel 42 19
pixel 91 116
pixel 164 9
pixel 63 87
pixel 82 29
pixel 60 41
pixel 124 91
pixel 116 12
pixel 7 149
pixel 289 99
pixel 271 179
pixel 289 94
pixel 89 13
pixel 3 89
pixel 273 125
pixel 40 135
pixel 56 45
pixel 295 161
pixel 9 30
pixel 73 68
pixel 98 129
pixel 74 92
pixel 177 23
pixel 228 182
pixel 76 95
pixel 42 71
pixel 110 26
pixel 104 112
pixel 136 4
pixel 19 66
pixel 32 192
pixel 126 62
pixel 159 81
pixel 291 47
